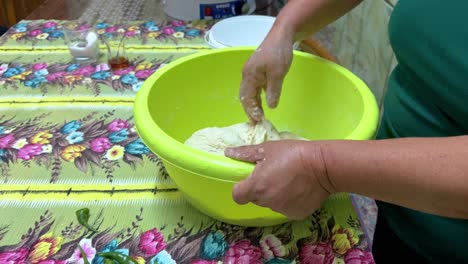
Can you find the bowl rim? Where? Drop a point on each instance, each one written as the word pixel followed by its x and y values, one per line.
pixel 215 166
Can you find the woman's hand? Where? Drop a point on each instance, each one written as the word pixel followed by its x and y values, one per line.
pixel 266 69
pixel 287 178
pixel 268 66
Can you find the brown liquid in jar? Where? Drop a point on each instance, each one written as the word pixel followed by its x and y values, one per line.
pixel 117 63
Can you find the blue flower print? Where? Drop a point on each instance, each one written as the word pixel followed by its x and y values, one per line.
pixel 108 35
pixel 56 34
pixel 72 67
pixel 40 73
pixel 13 71
pixel 21 25
pixel 137 147
pixel 49 30
pixel 213 246
pixel 70 127
pixel 129 79
pixel 123 251
pixel 162 257
pixel 153 28
pixel 111 247
pixel 278 261
pixel 117 137
pixel 101 75
pixel 3 154
pixel 100 260
pixel 179 28
pixel 101 25
pixel 21 29
pixel 136 87
pixel 75 137
pixel 149 24
pixel 193 33
pixel 35 82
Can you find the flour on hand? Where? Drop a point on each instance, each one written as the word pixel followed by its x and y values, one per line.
pixel 217 139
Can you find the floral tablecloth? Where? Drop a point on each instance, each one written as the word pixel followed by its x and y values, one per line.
pixel 68 141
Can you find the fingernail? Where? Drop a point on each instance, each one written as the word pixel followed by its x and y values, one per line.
pixel 272 103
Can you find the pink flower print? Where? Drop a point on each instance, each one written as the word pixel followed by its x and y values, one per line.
pixel 7 141
pixel 319 253
pixel 151 242
pixel 52 262
pixel 124 71
pixel 3 68
pixel 88 249
pixel 54 76
pixel 130 33
pixel 50 24
pixel 35 32
pixel 243 252
pixel 177 23
pixel 111 29
pixel 29 151
pixel 168 31
pixel 202 261
pixel 84 27
pixel 39 66
pixel 13 257
pixel 272 247
pixel 85 71
pixel 100 145
pixel 357 256
pixel 102 67
pixel 144 74
pixel 117 125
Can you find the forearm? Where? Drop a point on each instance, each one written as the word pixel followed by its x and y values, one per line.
pixel 301 18
pixel 425 174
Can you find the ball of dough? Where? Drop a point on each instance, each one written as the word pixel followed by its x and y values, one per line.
pixel 217 139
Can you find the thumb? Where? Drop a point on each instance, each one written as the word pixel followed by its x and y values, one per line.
pixel 274 84
pixel 252 153
pixel 242 192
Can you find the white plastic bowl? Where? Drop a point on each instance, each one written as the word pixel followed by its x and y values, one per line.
pixel 240 31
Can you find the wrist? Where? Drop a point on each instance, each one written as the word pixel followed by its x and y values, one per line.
pixel 343 160
pixel 328 158
pixel 315 157
pixel 284 31
pixel 290 26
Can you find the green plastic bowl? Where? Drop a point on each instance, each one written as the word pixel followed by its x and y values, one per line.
pixel 320 100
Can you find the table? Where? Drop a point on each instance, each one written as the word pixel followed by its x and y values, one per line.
pixel 68 142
